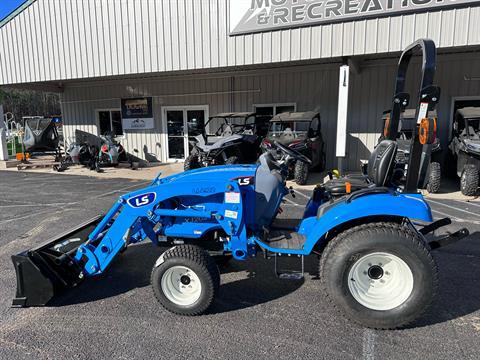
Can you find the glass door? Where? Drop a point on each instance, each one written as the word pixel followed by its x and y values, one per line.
pixel 183 124
pixel 175 134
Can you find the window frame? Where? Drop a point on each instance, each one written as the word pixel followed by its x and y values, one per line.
pixel 97 111
pixel 275 105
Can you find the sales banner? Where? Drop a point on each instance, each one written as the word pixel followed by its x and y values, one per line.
pixel 137 113
pixel 249 16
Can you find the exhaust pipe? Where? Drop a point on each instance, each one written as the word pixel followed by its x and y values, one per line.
pixel 46 270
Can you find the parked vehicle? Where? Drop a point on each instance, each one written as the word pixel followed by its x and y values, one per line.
pixel 79 153
pixel 376 264
pixel 300 131
pixel 228 138
pixel 465 147
pixel 111 151
pixel 40 136
pixel 431 172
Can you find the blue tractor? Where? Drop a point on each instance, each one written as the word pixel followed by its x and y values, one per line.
pixel 375 261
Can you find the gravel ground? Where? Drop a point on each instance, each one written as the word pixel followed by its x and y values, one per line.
pixel 256 314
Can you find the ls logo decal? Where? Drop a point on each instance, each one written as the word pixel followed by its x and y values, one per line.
pixel 142 200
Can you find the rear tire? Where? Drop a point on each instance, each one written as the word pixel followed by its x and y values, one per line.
pixel 301 172
pixel 434 178
pixel 469 180
pixel 185 280
pixel 380 275
pixel 191 162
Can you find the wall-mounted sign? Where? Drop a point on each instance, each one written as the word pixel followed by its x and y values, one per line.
pixel 137 113
pixel 248 16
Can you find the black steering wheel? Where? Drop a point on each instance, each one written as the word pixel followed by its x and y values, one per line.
pixel 293 153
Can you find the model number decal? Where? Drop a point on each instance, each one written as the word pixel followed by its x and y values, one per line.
pixel 204 190
pixel 142 200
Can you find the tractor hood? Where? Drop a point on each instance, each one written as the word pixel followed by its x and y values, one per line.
pixel 206 174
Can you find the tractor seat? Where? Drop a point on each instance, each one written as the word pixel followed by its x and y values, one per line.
pixel 380 169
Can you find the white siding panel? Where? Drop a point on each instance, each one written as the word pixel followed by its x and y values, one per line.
pixel 371 28
pixel 92 38
pixel 408 30
pixel 448 28
pixel 359 36
pixel 461 29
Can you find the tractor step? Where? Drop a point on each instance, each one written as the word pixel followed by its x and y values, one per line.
pixel 285 239
pixel 289 274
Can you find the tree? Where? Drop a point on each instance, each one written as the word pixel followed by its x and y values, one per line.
pixel 29 103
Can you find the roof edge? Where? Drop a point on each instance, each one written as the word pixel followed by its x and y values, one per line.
pixel 15 12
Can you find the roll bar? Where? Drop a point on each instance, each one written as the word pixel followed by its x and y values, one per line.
pixel 428 97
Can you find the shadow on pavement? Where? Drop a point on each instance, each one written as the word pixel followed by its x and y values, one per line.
pixel 132 270
pixel 459 282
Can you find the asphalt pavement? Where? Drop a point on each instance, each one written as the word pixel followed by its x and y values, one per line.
pixel 255 316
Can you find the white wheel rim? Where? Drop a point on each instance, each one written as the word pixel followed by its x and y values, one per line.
pixel 181 285
pixel 380 281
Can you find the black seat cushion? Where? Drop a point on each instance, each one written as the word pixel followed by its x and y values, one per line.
pixel 380 164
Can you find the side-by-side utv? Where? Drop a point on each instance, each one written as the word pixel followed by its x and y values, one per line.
pixel 301 131
pixel 227 138
pixel 465 147
pixel 375 266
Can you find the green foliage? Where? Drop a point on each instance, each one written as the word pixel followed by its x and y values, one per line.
pixel 29 103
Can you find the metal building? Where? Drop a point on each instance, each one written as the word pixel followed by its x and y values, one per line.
pixel 180 61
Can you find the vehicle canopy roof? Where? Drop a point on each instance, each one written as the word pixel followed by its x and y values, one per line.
pixel 295 116
pixel 469 112
pixel 233 115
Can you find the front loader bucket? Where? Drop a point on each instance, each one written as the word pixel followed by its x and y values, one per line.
pixel 46 270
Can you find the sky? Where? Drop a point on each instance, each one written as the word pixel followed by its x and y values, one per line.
pixel 7 6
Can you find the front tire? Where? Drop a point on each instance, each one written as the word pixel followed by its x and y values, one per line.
pixel 469 180
pixel 380 275
pixel 191 162
pixel 434 178
pixel 185 280
pixel 301 172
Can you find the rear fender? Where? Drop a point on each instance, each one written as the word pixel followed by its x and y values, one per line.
pixel 411 206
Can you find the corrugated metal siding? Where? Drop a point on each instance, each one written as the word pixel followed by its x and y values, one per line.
pixel 59 39
pixel 313 87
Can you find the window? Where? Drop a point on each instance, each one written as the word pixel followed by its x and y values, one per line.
pixel 110 121
pixel 267 111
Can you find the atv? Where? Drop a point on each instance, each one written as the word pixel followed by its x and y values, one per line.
pixel 300 131
pixel 465 147
pixel 375 264
pixel 430 174
pixel 79 153
pixel 227 138
pixel 111 152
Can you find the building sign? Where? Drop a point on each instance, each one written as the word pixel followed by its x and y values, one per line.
pixel 248 16
pixel 137 114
